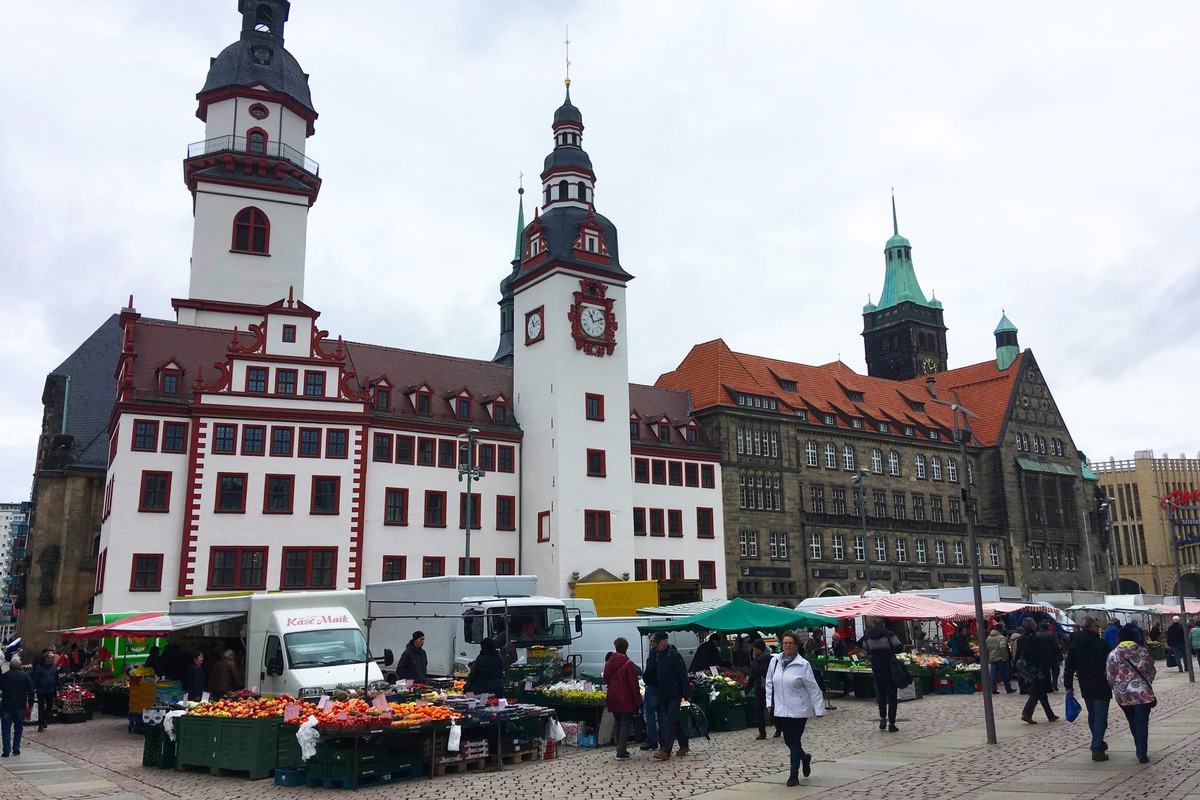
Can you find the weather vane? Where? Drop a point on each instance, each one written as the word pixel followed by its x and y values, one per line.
pixel 567 43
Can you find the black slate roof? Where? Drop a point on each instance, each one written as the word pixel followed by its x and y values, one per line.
pixel 561 225
pixel 242 64
pixel 92 393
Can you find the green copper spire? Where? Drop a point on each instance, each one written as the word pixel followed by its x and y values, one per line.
pixel 520 223
pixel 1007 348
pixel 900 280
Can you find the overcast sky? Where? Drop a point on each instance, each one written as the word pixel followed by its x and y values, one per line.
pixel 1044 158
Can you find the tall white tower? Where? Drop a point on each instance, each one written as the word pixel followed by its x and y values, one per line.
pixel 571 376
pixel 251 183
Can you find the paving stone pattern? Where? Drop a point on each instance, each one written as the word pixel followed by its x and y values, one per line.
pixel 940 752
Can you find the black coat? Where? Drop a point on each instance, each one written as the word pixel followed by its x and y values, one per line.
pixel 673 680
pixel 193 683
pixel 414 664
pixel 16 691
pixel 1087 657
pixel 650 673
pixel 486 675
pixel 1175 634
pixel 707 656
pixel 46 679
pixel 757 679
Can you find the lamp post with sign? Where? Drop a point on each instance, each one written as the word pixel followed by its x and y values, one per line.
pixel 859 479
pixel 467 469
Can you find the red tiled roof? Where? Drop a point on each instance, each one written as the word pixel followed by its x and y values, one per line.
pixel 711 368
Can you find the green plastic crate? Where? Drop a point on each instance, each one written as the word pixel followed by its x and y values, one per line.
pixel 726 717
pixel 238 745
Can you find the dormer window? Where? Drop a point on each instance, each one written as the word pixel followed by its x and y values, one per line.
pixel 908 430
pixel 933 435
pixel 383 398
pixel 168 380
pixel 590 242
pixel 289 333
pixel 535 244
pixel 692 436
pixel 830 419
pixel 462 408
pixel 424 402
pixel 634 429
pixel 664 432
pixel 883 427
pixel 500 412
pixel 856 423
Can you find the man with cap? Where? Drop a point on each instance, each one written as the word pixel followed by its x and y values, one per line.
pixel 1175 635
pixel 673 686
pixel 414 662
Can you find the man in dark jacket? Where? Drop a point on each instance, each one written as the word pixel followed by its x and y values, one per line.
pixel 193 682
pixel 1041 652
pixel 414 662
pixel 673 686
pixel 883 647
pixel 650 699
pixel 707 655
pixel 46 683
pixel 487 671
pixel 1087 657
pixel 16 695
pixel 757 683
pixel 1175 635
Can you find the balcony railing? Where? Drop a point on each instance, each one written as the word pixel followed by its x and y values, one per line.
pixel 238 144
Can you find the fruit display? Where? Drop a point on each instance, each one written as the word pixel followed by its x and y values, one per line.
pixel 73 693
pixel 244 705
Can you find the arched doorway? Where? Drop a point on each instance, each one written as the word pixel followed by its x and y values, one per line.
pixel 1128 586
pixel 831 591
pixel 1189 586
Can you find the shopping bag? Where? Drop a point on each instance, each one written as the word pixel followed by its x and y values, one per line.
pixel 454 740
pixel 1171 662
pixel 32 714
pixel 1071 707
pixel 556 730
pixel 900 675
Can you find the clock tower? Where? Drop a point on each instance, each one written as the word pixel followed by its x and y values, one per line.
pixel 904 335
pixel 571 375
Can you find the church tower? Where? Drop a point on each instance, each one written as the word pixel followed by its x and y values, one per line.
pixel 504 352
pixel 251 183
pixel 904 335
pixel 571 375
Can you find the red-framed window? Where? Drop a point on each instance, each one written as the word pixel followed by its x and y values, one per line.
pixel 708 476
pixel 224 439
pixel 155 494
pixel 506 566
pixel 145 574
pixel 309 568
pixel 708 574
pixel 593 407
pixel 326 495
pixel 174 437
pixel 675 473
pixel 691 475
pixel 254 440
pixel 435 509
pixel 664 432
pixel 693 437
pixel 447 453
pixel 382 450
pixel 314 383
pixel 656 522
pixel 433 566
pixel 704 523
pixel 462 566
pixel 395 506
pixel 237 568
pixel 641 470
pixel 543 529
pixel 256 140
pixel 639 569
pixel 310 443
pixel 168 381
pixel 285 381
pixel 639 522
pixel 404 449
pixel 231 493
pixel 506 512
pixel 505 458
pixel 424 402
pixel 113 442
pixel 108 497
pixel 101 565
pixel 426 452
pixel 675 570
pixel 476 513
pixel 486 457
pixel 597 526
pixel 279 494
pixel 289 333
pixel 281 440
pixel 256 380
pixel 462 410
pixel 635 428
pixel 658 472
pixel 336 442
pixel 500 412
pixel 383 398
pixel 675 523
pixel 145 435
pixel 658 569
pixel 251 232
pixel 596 467
pixel 395 568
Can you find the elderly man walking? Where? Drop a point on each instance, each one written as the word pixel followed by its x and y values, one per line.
pixel 1087 658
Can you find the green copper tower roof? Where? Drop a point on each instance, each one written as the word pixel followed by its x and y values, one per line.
pixel 1005 325
pixel 1007 348
pixel 900 283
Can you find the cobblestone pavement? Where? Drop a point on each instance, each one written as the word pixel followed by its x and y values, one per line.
pixel 939 752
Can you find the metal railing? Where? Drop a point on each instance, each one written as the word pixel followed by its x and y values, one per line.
pixel 239 144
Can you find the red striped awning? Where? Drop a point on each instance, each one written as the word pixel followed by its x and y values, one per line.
pixel 896 606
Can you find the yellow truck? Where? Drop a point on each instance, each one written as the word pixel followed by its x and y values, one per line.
pixel 619 598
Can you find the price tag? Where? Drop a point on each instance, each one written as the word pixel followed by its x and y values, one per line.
pixel 291 711
pixel 420 704
pixel 528 685
pixel 379 702
pixel 324 703
pixel 713 670
pixel 342 715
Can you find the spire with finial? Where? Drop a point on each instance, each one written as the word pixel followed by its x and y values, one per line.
pixel 900 279
pixel 520 217
pixel 1007 348
pixel 895 225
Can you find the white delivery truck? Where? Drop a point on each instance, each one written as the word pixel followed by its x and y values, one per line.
pixel 456 613
pixel 587 652
pixel 299 643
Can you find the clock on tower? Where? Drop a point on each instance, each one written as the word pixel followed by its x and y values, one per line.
pixel 593 323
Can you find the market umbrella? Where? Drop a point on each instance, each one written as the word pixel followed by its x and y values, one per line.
pixel 1193 607
pixel 100 631
pixel 743 616
pixel 898 606
pixel 1008 608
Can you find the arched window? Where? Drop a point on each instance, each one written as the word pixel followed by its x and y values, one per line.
pixel 251 231
pixel 562 190
pixel 583 198
pixel 256 141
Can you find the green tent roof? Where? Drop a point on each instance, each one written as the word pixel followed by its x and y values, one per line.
pixel 743 616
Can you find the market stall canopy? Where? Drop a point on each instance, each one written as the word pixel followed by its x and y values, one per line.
pixel 898 606
pixel 1193 607
pixel 1113 608
pixel 683 609
pixel 164 625
pixel 743 616
pixel 1008 608
pixel 101 631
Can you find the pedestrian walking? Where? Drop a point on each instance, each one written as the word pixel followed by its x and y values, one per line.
pixel 997 645
pixel 622 698
pixel 794 697
pixel 16 690
pixel 674 687
pixel 650 698
pixel 1130 672
pixel 1039 653
pixel 756 682
pixel 1194 641
pixel 1087 659
pixel 1014 654
pixel 1110 632
pixel 1055 646
pixel 883 645
pixel 1175 635
pixel 46 683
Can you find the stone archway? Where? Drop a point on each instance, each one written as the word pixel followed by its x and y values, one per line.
pixel 831 591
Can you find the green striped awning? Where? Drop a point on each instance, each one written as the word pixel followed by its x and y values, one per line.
pixel 1029 465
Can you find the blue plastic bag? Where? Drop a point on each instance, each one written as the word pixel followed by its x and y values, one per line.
pixel 1072 707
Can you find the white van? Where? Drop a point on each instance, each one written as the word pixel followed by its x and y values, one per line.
pixel 598 635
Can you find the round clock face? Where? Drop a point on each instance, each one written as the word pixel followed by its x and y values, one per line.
pixel 592 321
pixel 533 326
pixel 929 366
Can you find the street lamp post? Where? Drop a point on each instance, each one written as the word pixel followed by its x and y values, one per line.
pixel 1173 511
pixel 961 435
pixel 859 479
pixel 1107 506
pixel 467 469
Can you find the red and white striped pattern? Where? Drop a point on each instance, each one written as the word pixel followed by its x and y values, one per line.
pixel 896 606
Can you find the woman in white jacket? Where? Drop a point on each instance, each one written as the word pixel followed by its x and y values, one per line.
pixel 793 696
